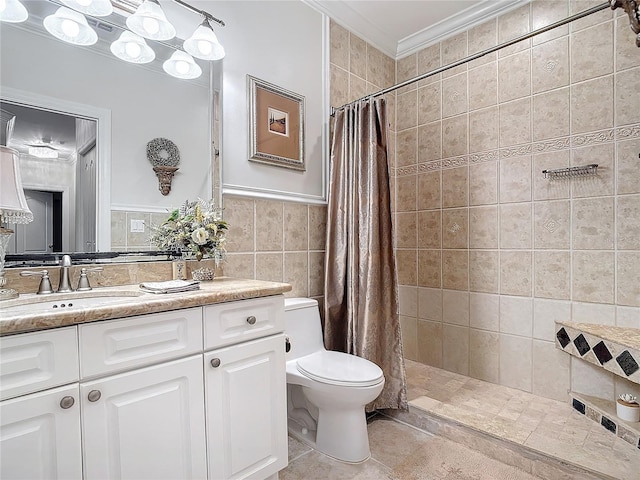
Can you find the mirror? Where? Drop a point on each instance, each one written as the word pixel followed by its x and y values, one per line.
pixel 130 105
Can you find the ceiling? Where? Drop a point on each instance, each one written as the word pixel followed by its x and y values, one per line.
pixel 401 27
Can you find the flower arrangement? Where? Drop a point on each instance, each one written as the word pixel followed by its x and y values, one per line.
pixel 196 228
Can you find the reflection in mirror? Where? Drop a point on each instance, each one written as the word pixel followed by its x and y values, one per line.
pixel 129 106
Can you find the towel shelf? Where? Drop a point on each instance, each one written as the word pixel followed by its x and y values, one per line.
pixel 569 172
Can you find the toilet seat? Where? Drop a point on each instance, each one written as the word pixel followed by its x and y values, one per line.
pixel 337 368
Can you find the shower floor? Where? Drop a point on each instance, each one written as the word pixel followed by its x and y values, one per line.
pixel 536 434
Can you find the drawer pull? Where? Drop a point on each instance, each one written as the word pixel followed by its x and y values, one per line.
pixel 287 345
pixel 215 362
pixel 94 395
pixel 251 320
pixel 67 402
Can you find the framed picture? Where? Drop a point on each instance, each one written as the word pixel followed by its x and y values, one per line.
pixel 276 125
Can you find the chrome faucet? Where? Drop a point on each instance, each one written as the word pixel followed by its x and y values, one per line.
pixel 65 283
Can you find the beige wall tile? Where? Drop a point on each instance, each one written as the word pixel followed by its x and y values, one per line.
pixel 455 307
pixel 454 136
pixel 430 304
pixel 552 222
pixel 238 212
pixel 455 231
pixel 515 273
pixel 515 122
pixel 483 227
pixel 627 97
pixel 316 274
pixel 628 317
pixel 455 269
pixel 118 229
pixel 483 271
pixel 628 222
pixel 452 49
pixel 406 230
pixel 552 272
pixel 296 221
pixel 429 103
pixel 550 65
pixel 454 95
pixel 626 50
pixel 627 278
pixel 408 300
pixel 357 56
pixel 429 60
pixel 589 379
pixel 482 37
pixel 516 362
pixel 513 25
pixel 407 147
pixel 545 13
pixel 406 193
pixel 628 166
pixel 551 114
pixel 592 52
pixel 381 69
pixel 430 343
pixel 296 272
pixel 593 276
pixel 594 185
pixel 406 68
pixel 339 92
pixel 357 88
pixel 515 225
pixel 455 349
pixel 483 130
pixel 429 229
pixel 593 313
pixel 483 86
pixel 592 223
pixel 269 225
pixel 429 268
pixel 429 190
pixel 483 183
pixel 516 316
pixel 545 314
pixel 577 6
pixel 239 265
pixel 409 329
pixel 269 267
pixel 339 53
pixel 484 355
pixel 430 142
pixel 407 104
pixel 484 311
pixel 406 264
pixel 514 76
pixel 455 187
pixel 592 105
pixel 547 358
pixel 515 179
pixel 317 227
pixel 547 188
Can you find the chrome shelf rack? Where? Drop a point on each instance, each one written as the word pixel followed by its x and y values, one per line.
pixel 570 172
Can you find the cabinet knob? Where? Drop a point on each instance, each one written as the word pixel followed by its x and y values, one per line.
pixel 215 362
pixel 67 402
pixel 94 395
pixel 251 320
pixel 287 345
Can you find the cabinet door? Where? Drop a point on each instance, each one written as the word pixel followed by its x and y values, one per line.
pixel 40 435
pixel 147 423
pixel 246 409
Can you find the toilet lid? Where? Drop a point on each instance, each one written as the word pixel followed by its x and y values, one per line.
pixel 339 368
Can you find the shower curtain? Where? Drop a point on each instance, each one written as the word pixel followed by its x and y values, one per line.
pixel 361 289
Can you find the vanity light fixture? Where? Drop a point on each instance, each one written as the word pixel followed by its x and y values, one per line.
pixel 132 48
pixel 149 21
pixel 95 8
pixel 203 43
pixel 181 65
pixel 71 27
pixel 12 11
pixel 43 151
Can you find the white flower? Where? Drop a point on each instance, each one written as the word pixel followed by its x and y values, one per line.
pixel 200 236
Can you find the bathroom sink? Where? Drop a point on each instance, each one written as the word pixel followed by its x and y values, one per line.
pixel 67 301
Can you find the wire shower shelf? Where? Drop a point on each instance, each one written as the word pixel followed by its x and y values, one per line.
pixel 570 172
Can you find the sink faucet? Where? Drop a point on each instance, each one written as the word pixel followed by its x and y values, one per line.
pixel 65 284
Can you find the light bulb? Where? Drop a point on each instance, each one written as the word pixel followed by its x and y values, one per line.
pixel 204 47
pixel 149 21
pixel 70 28
pixel 133 49
pixel 204 44
pixel 182 67
pixel 151 25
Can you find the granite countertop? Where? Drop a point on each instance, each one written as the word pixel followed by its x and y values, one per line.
pixel 137 302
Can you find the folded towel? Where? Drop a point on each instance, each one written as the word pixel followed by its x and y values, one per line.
pixel 170 286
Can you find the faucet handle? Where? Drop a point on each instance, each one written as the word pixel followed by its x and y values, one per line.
pixel 45 283
pixel 83 280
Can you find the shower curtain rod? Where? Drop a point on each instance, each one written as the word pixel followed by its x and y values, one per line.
pixel 462 61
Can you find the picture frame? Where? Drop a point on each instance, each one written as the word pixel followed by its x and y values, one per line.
pixel 276 125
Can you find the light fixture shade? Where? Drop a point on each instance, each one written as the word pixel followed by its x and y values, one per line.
pixel 204 44
pixel 12 11
pixel 71 27
pixel 132 48
pixel 13 204
pixel 150 22
pixel 95 8
pixel 43 151
pixel 181 65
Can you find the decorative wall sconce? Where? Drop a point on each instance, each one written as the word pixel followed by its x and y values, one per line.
pixel 165 157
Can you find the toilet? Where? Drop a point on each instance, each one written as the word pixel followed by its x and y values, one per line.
pixel 326 391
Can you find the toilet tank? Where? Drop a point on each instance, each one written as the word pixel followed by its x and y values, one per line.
pixel 302 326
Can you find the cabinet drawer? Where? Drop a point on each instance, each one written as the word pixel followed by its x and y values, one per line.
pixel 234 322
pixel 117 345
pixel 35 361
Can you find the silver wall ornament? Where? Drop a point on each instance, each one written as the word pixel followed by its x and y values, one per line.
pixel 165 157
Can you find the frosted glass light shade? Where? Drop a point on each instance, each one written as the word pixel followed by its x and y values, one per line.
pixel 13 204
pixel 150 22
pixel 71 27
pixel 204 44
pixel 181 65
pixel 95 8
pixel 132 48
pixel 12 11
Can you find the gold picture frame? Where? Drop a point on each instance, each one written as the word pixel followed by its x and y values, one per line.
pixel 276 125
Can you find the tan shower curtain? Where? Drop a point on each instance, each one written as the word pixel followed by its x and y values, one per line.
pixel 361 290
